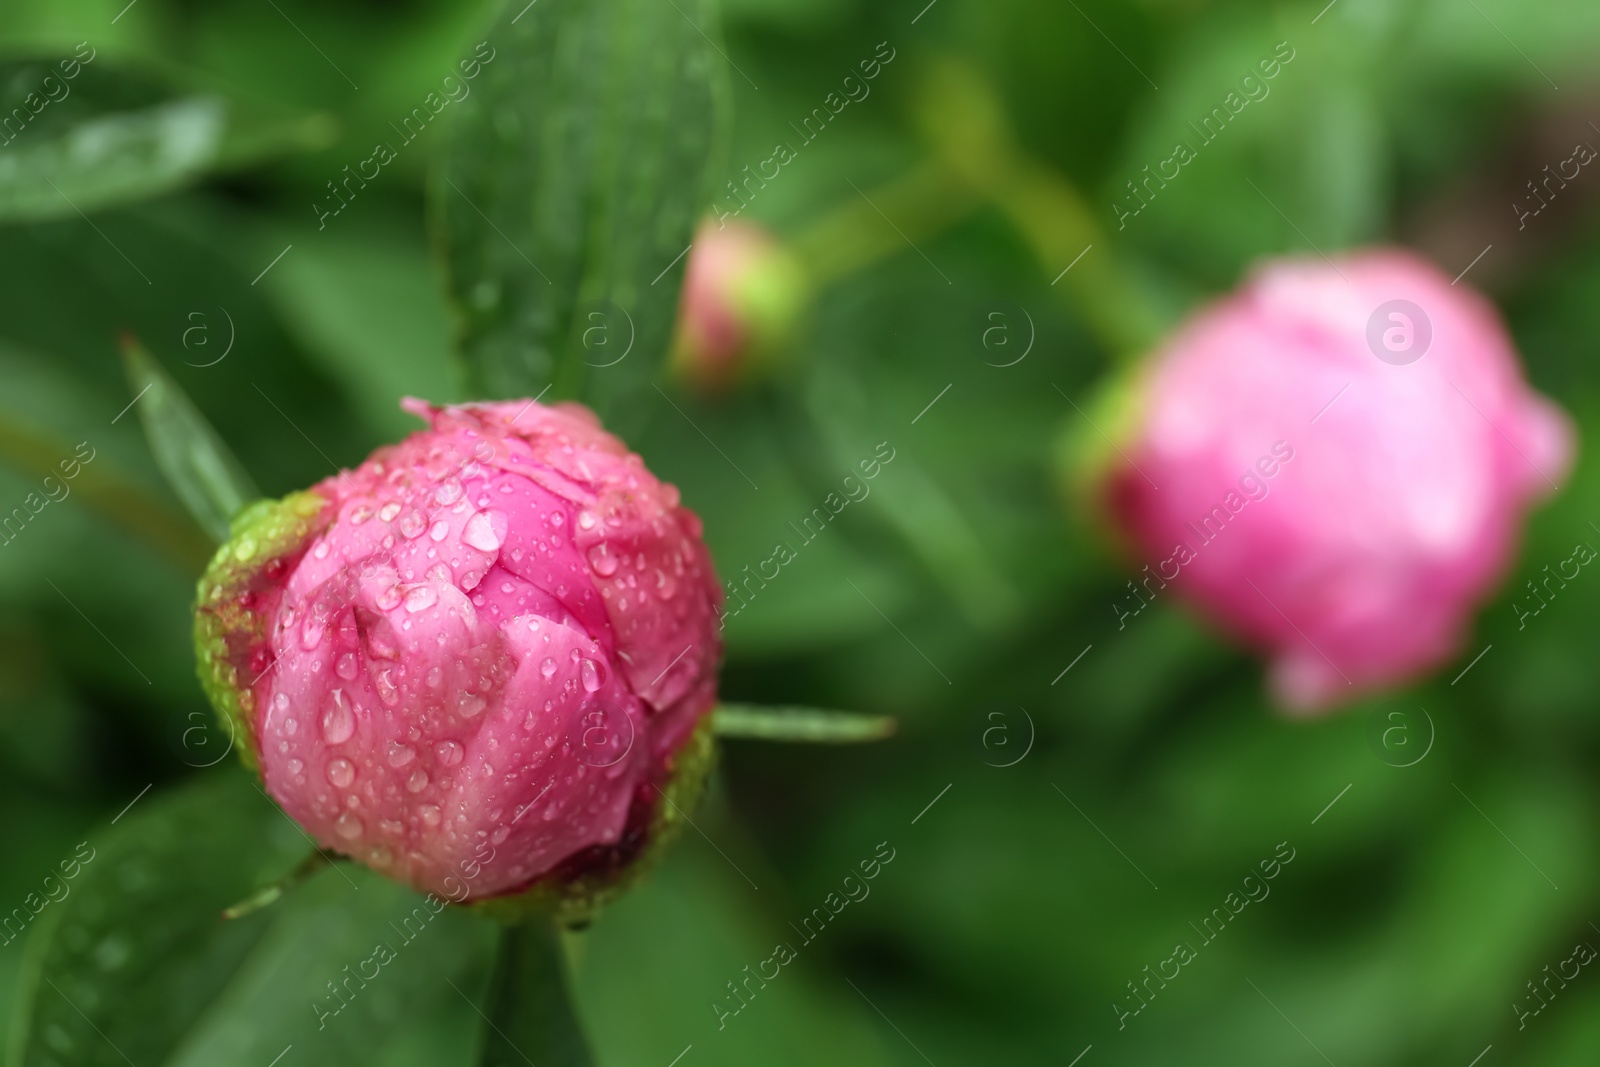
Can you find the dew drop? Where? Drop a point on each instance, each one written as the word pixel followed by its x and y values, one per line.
pixel 439 530
pixel 591 673
pixel 321 551
pixel 421 598
pixel 311 632
pixel 485 530
pixel 347 666
pixel 389 599
pixel 348 826
pixel 400 755
pixel 338 721
pixel 412 523
pixel 449 753
pixel 341 772
pixel 390 510
pixel 603 562
pixel 430 814
pixel 418 781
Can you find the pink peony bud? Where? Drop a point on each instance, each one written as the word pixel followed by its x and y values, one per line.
pixel 476 661
pixel 742 291
pixel 1344 455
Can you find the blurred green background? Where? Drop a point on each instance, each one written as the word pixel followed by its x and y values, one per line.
pixel 1018 905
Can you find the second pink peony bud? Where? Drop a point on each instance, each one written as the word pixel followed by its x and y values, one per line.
pixel 1334 462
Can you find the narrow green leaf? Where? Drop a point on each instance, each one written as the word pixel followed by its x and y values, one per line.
pixel 569 194
pixel 199 466
pixel 529 1010
pixel 85 136
pixel 800 724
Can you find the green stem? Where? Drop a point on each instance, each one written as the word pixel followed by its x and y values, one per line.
pixel 111 493
pixel 812 725
pixel 529 1008
pixel 268 895
pixel 964 120
pixel 920 203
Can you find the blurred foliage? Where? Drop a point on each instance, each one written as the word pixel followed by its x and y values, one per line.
pixel 952 597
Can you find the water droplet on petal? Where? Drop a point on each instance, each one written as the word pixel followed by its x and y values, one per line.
pixel 603 562
pixel 586 520
pixel 341 772
pixel 471 704
pixel 348 826
pixel 321 551
pixel 548 667
pixel 338 721
pixel 448 493
pixel 389 599
pixel 412 523
pixel 482 533
pixel 311 632
pixel 418 781
pixel 591 674
pixel 347 666
pixel 449 753
pixel 400 755
pixel 439 530
pixel 421 598
pixel 430 814
pixel 390 510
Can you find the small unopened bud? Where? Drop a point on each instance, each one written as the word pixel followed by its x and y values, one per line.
pixel 742 293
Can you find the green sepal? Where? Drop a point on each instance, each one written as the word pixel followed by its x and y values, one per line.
pixel 231 617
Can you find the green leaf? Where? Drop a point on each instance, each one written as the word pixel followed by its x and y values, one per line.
pixel 800 724
pixel 200 467
pixel 570 191
pixel 97 137
pixel 136 943
pixel 529 1011
pixel 136 963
